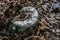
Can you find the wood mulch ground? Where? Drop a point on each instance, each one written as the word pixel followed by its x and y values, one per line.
pixel 47 28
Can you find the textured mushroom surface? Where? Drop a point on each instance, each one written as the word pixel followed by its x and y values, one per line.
pixel 32 17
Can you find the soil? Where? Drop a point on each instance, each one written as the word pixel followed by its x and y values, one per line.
pixel 47 28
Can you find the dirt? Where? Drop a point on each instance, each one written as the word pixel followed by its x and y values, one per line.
pixel 47 27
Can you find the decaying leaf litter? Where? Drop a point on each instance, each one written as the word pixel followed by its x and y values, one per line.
pixel 47 27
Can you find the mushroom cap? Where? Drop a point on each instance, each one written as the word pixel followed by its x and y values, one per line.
pixel 29 21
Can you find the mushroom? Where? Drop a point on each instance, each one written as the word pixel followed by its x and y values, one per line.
pixel 31 19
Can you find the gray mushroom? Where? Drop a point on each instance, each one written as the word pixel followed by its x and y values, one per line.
pixel 28 22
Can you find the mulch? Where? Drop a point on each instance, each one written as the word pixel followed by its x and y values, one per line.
pixel 47 28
